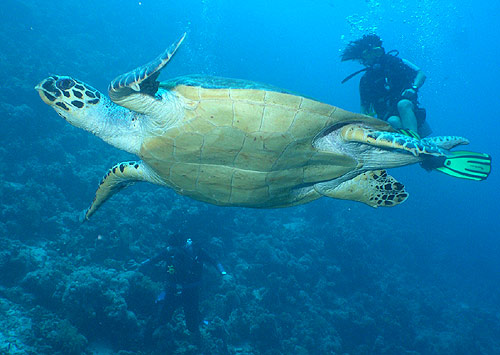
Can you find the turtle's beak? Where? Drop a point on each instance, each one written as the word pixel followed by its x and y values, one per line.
pixel 47 90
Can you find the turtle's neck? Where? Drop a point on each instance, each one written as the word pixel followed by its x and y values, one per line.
pixel 121 127
pixel 116 125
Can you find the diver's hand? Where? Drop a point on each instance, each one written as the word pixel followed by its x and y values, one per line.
pixel 409 94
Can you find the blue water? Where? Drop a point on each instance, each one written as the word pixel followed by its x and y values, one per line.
pixel 328 277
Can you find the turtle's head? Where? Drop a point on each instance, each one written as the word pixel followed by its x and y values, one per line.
pixel 85 107
pixel 72 99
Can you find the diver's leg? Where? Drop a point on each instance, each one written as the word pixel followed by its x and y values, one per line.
pixel 395 122
pixel 408 118
pixel 167 306
pixel 190 301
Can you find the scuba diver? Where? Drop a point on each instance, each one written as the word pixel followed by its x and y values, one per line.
pixel 389 86
pixel 389 91
pixel 183 261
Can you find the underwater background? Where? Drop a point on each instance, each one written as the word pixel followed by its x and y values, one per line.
pixel 329 277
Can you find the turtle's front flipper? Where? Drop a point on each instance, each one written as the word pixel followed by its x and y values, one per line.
pixel 117 178
pixel 135 89
pixel 375 188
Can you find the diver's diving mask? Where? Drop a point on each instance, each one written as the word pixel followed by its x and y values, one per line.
pixel 370 55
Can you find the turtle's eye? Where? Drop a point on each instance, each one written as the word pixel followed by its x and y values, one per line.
pixel 65 84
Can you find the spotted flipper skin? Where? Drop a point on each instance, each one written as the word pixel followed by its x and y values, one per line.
pixel 445 142
pixel 117 178
pixel 394 140
pixel 143 78
pixel 374 188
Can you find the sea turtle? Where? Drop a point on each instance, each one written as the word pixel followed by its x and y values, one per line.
pixel 237 143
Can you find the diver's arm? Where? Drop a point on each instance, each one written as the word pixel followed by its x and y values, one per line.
pixel 419 78
pixel 207 259
pixel 161 256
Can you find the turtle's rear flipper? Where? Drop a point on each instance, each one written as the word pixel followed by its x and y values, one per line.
pixel 117 178
pixel 375 188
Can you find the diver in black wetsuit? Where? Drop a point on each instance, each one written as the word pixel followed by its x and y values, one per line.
pixel 183 275
pixel 389 91
pixel 389 86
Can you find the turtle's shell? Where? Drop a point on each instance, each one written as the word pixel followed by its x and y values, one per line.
pixel 240 143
